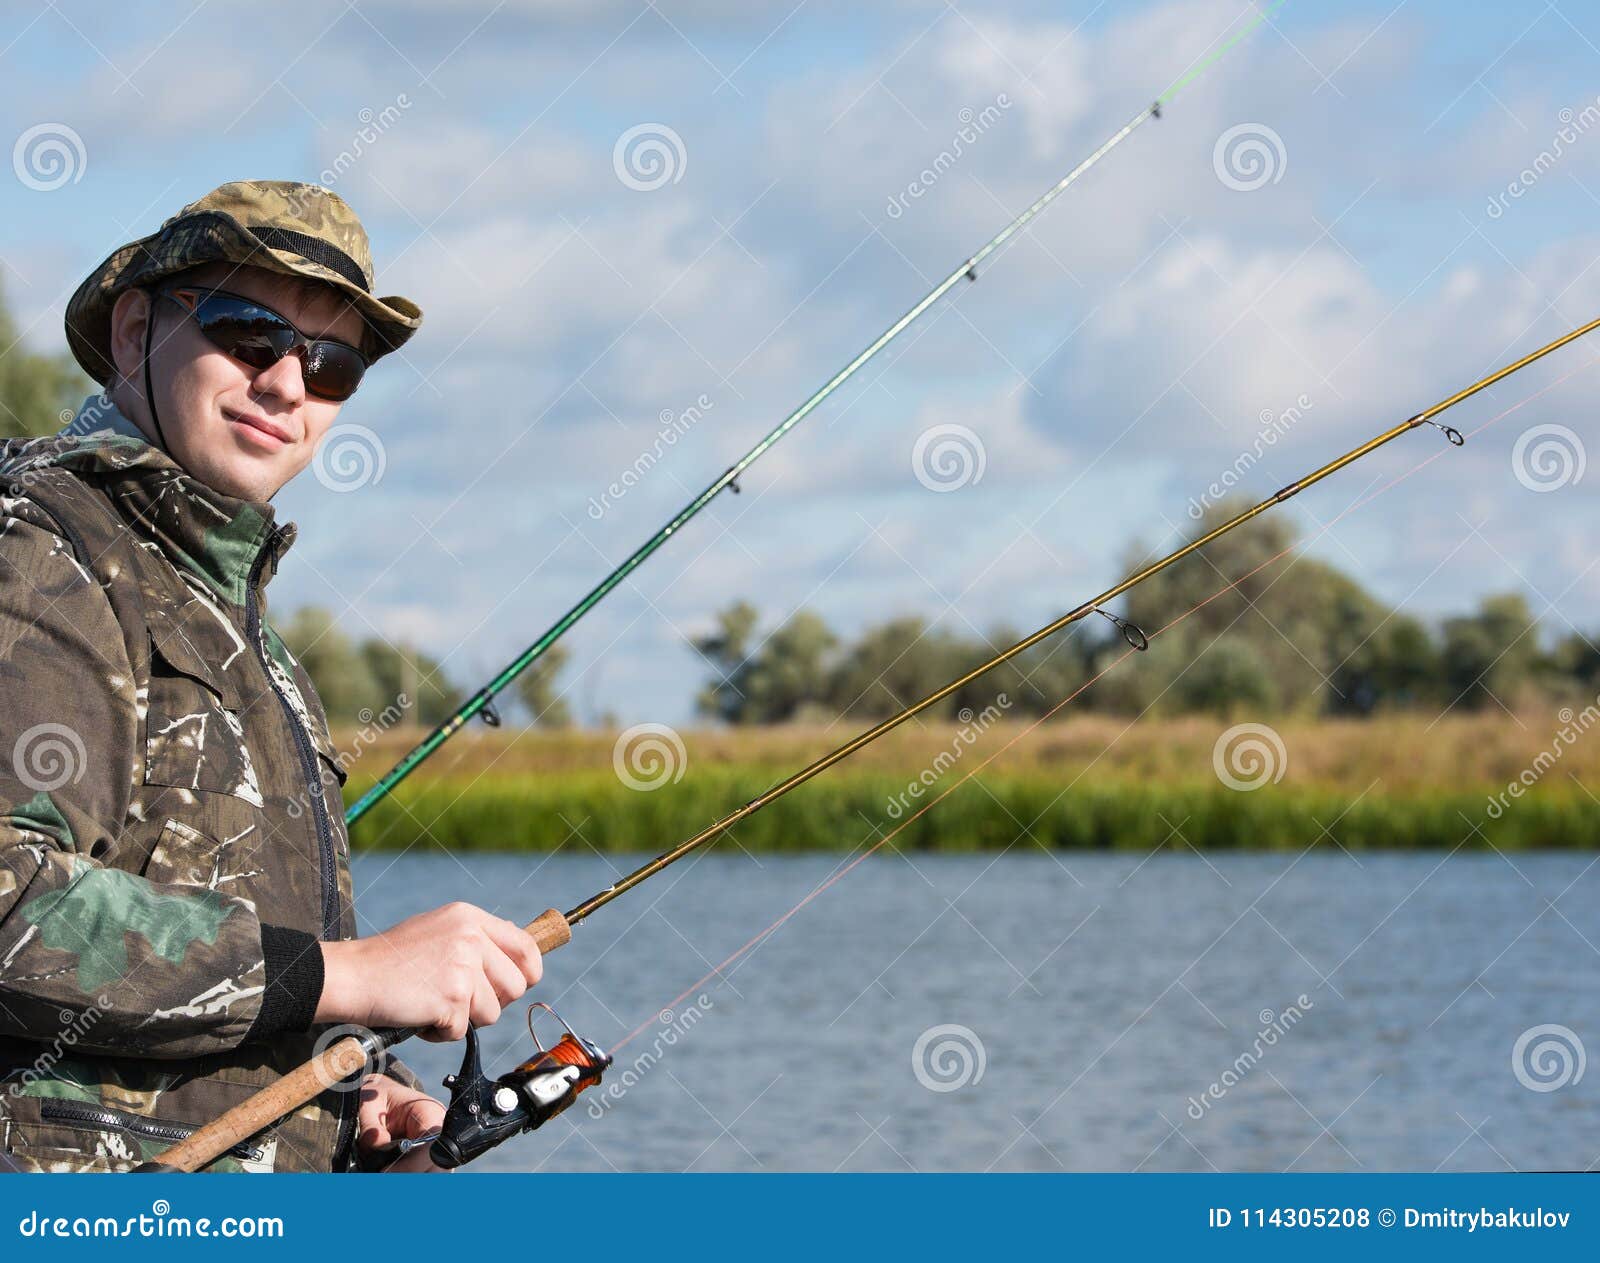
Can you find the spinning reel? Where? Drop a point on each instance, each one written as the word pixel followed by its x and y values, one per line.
pixel 485 1112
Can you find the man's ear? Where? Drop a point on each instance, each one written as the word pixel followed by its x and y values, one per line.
pixel 128 316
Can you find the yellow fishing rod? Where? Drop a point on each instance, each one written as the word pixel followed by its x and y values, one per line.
pixel 485 1112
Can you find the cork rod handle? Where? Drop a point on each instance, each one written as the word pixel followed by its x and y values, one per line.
pixel 338 1061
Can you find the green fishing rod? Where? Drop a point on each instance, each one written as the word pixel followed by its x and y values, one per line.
pixel 552 929
pixel 481 702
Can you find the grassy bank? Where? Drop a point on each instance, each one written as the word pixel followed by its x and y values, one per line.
pixel 1087 783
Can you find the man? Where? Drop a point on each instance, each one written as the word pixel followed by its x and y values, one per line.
pixel 176 928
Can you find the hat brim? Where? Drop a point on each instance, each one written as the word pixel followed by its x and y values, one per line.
pixel 212 237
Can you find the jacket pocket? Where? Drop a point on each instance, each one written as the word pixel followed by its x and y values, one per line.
pixel 193 737
pixel 185 856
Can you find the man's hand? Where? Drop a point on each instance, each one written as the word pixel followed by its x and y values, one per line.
pixel 391 1112
pixel 442 971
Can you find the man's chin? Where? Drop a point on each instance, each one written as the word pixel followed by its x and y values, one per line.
pixel 241 476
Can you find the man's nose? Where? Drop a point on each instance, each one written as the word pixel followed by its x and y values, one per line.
pixel 285 379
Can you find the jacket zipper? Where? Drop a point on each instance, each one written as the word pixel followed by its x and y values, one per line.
pixel 308 753
pixel 345 1114
pixel 100 1117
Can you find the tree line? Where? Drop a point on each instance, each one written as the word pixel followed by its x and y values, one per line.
pixel 1291 634
pixel 360 679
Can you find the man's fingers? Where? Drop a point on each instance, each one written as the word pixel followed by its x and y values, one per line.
pixel 486 1005
pixel 503 974
pixel 442 971
pixel 372 1118
pixel 519 945
pixel 421 1114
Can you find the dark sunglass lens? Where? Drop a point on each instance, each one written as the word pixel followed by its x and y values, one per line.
pixel 333 370
pixel 250 334
pixel 260 338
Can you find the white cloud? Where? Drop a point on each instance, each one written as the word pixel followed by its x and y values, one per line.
pixel 565 311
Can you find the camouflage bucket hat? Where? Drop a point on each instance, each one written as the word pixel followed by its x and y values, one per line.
pixel 280 225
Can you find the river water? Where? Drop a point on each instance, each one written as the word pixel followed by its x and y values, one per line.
pixel 1058 1011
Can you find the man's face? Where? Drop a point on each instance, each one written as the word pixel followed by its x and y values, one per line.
pixel 243 431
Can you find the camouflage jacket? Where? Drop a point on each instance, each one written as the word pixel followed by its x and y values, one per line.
pixel 172 843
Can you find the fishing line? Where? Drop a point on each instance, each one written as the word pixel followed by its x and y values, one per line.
pixel 750 946
pixel 1207 61
pixel 552 929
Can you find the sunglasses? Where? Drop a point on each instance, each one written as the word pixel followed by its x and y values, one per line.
pixel 259 337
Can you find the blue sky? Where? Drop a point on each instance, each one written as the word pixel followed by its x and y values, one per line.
pixel 1111 363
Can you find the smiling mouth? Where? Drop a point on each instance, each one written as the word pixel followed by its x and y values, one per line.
pixel 260 429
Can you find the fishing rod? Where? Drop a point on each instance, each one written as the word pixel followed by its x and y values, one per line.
pixel 526 1097
pixel 482 702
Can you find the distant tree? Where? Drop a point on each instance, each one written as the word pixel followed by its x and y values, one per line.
pixel 1397 665
pixel 726 650
pixel 1226 678
pixel 773 683
pixel 537 688
pixel 893 665
pixel 356 680
pixel 34 389
pixel 1251 558
pixel 336 665
pixel 1492 656
pixel 1575 663
pixel 1032 682
pixel 790 671
pixel 398 669
pixel 1318 632
pixel 1317 641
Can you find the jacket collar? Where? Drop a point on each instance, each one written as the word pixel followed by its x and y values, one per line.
pixel 216 537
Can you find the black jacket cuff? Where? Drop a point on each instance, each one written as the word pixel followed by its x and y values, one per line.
pixel 293 986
